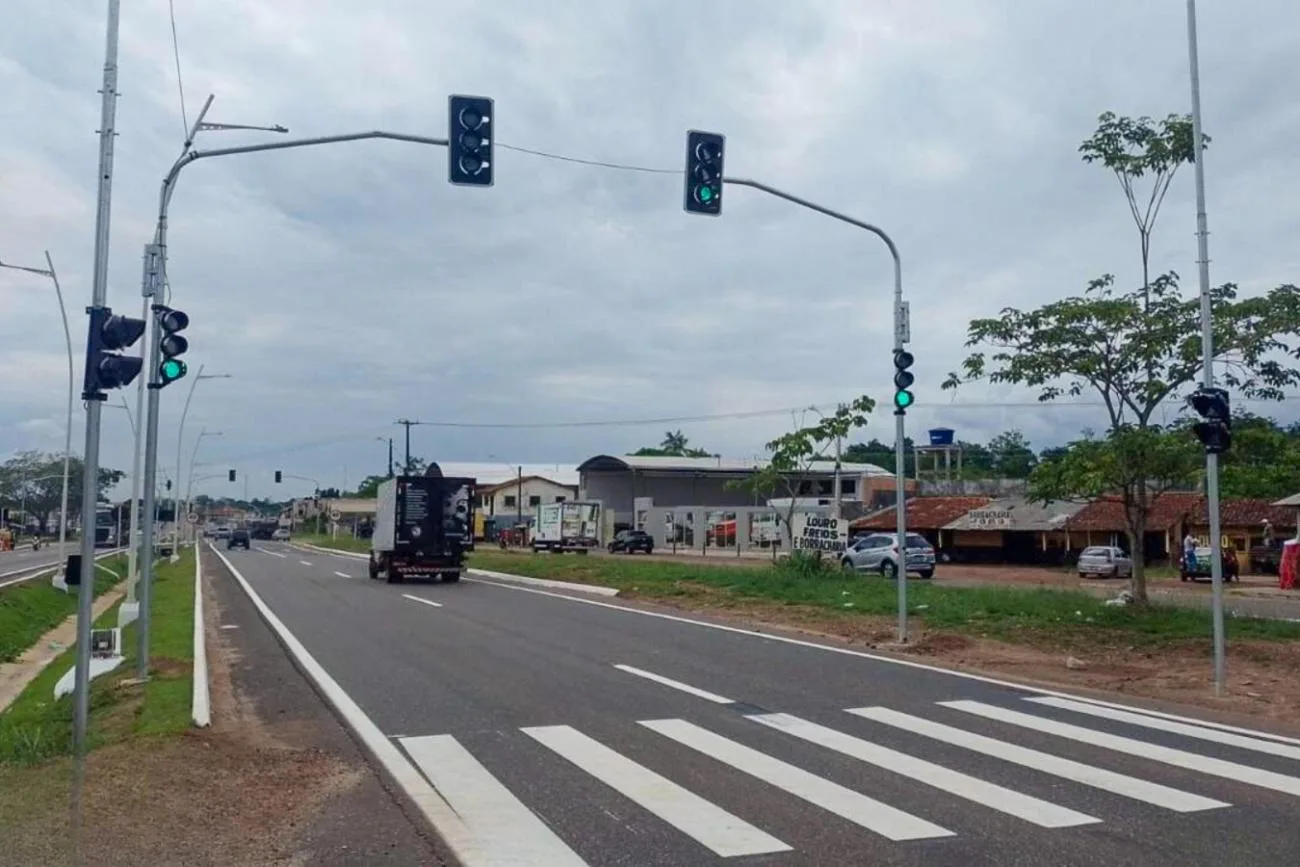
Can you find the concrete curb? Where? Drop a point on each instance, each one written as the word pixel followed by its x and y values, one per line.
pixel 201 699
pixel 508 577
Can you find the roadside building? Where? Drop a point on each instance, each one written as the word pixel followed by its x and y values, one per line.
pixel 521 496
pixel 1012 530
pixel 1103 522
pixel 925 516
pixel 712 488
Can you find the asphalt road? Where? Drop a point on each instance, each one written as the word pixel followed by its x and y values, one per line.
pixel 568 732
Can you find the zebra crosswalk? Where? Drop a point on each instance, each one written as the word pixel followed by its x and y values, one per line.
pixel 510 824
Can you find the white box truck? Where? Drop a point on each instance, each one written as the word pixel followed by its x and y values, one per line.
pixel 567 527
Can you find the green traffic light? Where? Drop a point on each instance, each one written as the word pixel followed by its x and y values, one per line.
pixel 705 193
pixel 903 399
pixel 172 370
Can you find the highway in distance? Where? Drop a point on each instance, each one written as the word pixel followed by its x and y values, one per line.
pixel 558 729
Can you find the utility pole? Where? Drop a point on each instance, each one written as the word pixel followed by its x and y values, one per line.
pixel 406 468
pixel 519 495
pixel 390 457
pixel 94 407
pixel 1207 353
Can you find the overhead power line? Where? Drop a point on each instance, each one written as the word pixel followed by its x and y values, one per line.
pixel 180 81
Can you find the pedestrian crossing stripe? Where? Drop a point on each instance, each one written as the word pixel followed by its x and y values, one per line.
pixel 505 831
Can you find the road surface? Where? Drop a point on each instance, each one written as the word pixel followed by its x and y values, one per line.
pixel 566 729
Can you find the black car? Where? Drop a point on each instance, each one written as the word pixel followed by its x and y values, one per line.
pixel 238 539
pixel 631 541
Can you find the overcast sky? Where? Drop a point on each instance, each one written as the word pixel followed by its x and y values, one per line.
pixel 348 286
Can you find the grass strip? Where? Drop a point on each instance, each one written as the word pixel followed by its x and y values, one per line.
pixel 33 608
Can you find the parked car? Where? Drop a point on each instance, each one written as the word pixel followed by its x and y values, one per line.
pixel 1231 567
pixel 281 535
pixel 631 541
pixel 238 539
pixel 1104 561
pixel 878 552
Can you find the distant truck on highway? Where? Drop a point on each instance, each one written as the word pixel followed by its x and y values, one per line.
pixel 567 527
pixel 424 527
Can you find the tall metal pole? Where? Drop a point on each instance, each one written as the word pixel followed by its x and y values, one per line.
pixel 137 512
pixel 390 457
pixel 1207 352
pixel 150 496
pixel 180 439
pixel 90 458
pixel 519 496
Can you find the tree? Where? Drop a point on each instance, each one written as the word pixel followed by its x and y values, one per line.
pixel 1012 456
pixel 1137 349
pixel 369 487
pixel 1264 461
pixel 881 454
pixel 792 455
pixel 414 467
pixel 34 480
pixel 674 445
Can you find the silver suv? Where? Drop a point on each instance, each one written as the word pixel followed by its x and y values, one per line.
pixel 878 552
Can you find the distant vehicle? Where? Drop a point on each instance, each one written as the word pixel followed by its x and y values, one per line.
pixel 1231 567
pixel 238 539
pixel 105 527
pixel 878 552
pixel 631 541
pixel 1104 561
pixel 221 533
pixel 424 527
pixel 567 527
pixel 281 535
pixel 1266 558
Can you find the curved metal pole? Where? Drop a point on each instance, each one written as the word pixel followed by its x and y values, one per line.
pixel 67 434
pixel 900 475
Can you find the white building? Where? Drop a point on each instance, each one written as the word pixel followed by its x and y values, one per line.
pixel 521 496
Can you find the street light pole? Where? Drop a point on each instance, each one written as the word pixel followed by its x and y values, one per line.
pixel 180 438
pixel 1207 354
pixel 204 432
pixel 67 425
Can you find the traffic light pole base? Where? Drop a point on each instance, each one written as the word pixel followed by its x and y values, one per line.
pixel 127 613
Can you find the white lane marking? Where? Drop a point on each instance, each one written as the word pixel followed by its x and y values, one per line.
pixel 343 574
pixel 272 553
pixel 1077 772
pixel 1129 746
pixel 995 797
pixel 676 684
pixel 453 830
pixel 305 562
pixel 874 657
pixel 709 824
pixel 866 812
pixel 1214 736
pixel 230 626
pixel 419 599
pixel 502 830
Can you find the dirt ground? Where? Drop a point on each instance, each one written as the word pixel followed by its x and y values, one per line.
pixel 1263 684
pixel 252 791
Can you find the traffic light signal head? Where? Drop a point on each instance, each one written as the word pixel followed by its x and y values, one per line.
pixel 232 475
pixel 278 476
pixel 1215 433
pixel 172 345
pixel 106 367
pixel 903 380
pixel 469 140
pixel 704 158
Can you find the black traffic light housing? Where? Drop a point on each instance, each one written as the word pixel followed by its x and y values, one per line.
pixel 1213 405
pixel 106 367
pixel 232 475
pixel 172 345
pixel 470 140
pixel 903 379
pixel 704 158
pixel 278 476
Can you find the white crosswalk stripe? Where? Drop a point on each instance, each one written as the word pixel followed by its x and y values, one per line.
pixel 503 830
pixel 689 813
pixel 953 782
pixel 1078 772
pixel 1133 747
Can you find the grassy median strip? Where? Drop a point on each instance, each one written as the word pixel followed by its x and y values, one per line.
pixel 33 608
pixel 38 727
pixel 1007 613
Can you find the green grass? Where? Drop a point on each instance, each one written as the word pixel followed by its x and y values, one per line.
pixel 344 542
pixel 37 727
pixel 1027 615
pixel 29 610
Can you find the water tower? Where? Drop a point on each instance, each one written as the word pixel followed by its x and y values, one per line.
pixel 941 459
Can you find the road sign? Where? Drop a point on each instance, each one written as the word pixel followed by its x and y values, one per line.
pixel 335 514
pixel 192 517
pixel 819 533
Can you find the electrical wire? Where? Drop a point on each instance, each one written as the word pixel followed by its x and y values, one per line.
pixel 625 167
pixel 180 82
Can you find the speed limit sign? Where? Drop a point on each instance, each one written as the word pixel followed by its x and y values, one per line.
pixel 335 514
pixel 192 517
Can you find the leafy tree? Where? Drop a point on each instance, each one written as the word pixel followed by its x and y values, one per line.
pixel 1264 461
pixel 1012 456
pixel 674 445
pixel 881 454
pixel 414 467
pixel 792 455
pixel 34 479
pixel 1136 349
pixel 369 487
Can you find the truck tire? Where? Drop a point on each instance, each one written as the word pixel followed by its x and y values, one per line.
pixel 391 576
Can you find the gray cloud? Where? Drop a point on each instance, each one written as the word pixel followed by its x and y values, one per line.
pixel 344 287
